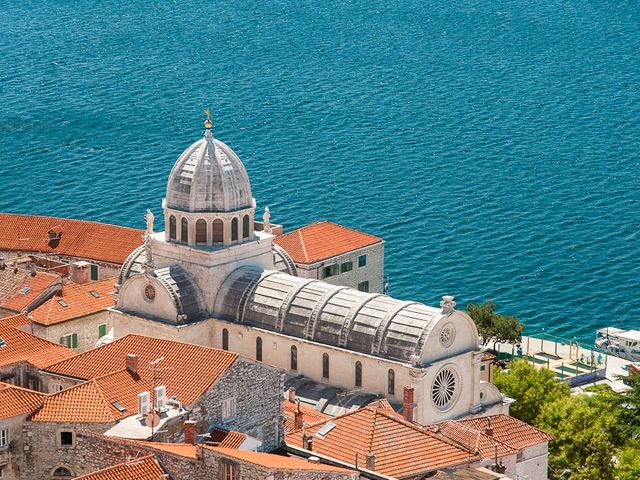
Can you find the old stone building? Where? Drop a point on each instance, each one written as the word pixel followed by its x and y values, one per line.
pixel 210 278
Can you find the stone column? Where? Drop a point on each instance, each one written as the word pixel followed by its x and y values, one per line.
pixel 476 358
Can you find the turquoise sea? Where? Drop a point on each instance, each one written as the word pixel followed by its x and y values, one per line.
pixel 494 144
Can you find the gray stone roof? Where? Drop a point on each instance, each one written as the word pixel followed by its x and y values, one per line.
pixel 334 315
pixel 208 177
pixel 184 291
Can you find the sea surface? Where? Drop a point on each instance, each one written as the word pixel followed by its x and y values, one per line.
pixel 495 145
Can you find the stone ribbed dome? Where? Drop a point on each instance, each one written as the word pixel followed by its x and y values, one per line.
pixel 208 177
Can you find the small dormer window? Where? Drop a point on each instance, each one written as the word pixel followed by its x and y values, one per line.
pixel 25 290
pixel 62 303
pixel 94 294
pixel 2 342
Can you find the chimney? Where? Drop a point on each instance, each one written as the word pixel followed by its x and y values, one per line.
pixel 307 442
pixel 190 432
pixel 371 461
pixel 80 272
pixel 407 404
pixel 298 416
pixel 447 304
pixel 132 363
pixel 488 431
pixel 291 394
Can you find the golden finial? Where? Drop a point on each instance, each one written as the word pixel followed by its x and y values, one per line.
pixel 207 122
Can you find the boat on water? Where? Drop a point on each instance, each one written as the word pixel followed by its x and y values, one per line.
pixel 619 342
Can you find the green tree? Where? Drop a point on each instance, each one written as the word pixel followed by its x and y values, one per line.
pixel 599 464
pixel 493 326
pixel 531 388
pixel 575 421
pixel 629 461
pixel 630 408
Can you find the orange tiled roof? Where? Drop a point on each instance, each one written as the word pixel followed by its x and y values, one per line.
pixel 143 468
pixel 186 450
pixel 400 448
pixel 473 440
pixel 227 438
pixel 92 401
pixel 15 321
pixel 75 300
pixel 18 401
pixel 21 346
pixel 187 370
pixel 18 290
pixel 321 240
pixel 309 415
pixel 78 238
pixel 273 461
pixel 508 430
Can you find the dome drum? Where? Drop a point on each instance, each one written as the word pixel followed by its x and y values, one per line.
pixel 209 229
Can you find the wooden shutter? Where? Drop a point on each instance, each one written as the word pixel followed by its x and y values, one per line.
pixel 74 340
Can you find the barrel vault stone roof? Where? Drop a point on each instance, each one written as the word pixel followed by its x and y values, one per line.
pixel 208 177
pixel 339 316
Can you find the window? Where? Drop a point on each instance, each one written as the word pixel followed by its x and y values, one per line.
pixel 483 368
pixel 4 437
pixel 56 387
pixel 363 286
pixel 325 365
pixel 94 271
pixel 225 339
pixel 172 227
pixel 102 330
pixel 330 271
pixel 229 471
pixel 94 294
pixel 228 409
pixel 218 231
pixel 62 472
pixel 69 341
pixel 245 226
pixel 63 304
pixel 358 374
pixel 25 290
pixel 391 382
pixel 234 229
pixel 362 261
pixel 294 357
pixel 66 439
pixel 259 349
pixel 346 267
pixel 184 230
pixel 201 232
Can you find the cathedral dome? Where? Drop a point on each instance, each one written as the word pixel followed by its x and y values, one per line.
pixel 208 177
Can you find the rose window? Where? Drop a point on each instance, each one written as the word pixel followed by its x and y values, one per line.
pixel 447 335
pixel 149 293
pixel 444 388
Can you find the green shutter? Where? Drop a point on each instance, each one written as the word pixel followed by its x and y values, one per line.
pixel 102 330
pixel 62 342
pixel 94 272
pixel 74 340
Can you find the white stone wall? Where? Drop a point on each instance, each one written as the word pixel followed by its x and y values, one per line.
pixel 373 272
pixel 533 462
pixel 85 327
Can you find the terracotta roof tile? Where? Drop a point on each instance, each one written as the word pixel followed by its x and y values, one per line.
pixel 309 415
pixel 186 450
pixel 321 240
pixel 21 346
pixel 227 438
pixel 78 238
pixel 143 468
pixel 474 440
pixel 18 290
pixel 15 321
pixel 18 401
pixel 74 301
pixel 187 370
pixel 400 448
pixel 508 430
pixel 276 462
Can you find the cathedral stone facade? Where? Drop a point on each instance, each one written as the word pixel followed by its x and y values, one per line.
pixel 211 278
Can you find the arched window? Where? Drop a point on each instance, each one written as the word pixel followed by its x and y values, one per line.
pixel 234 229
pixel 294 357
pixel 245 227
pixel 172 227
pixel 358 374
pixel 325 365
pixel 259 349
pixel 391 382
pixel 62 472
pixel 218 231
pixel 225 339
pixel 184 230
pixel 201 232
